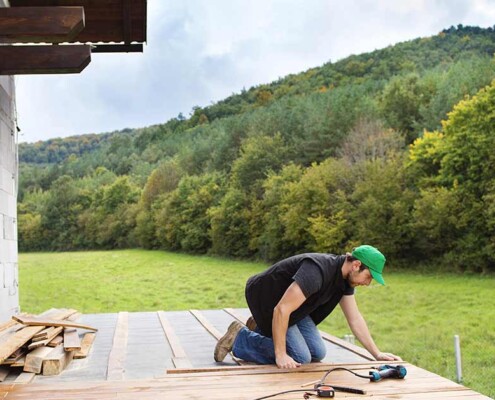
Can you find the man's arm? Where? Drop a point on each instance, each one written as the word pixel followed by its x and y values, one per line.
pixel 360 329
pixel 290 301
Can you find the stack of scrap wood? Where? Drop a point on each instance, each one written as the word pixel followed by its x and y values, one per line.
pixel 43 344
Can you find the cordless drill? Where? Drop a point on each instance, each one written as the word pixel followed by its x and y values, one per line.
pixel 388 371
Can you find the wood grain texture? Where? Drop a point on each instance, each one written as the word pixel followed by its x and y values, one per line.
pixel 173 340
pixel 72 341
pixel 86 344
pixel 116 360
pixel 40 24
pixel 56 341
pixel 104 19
pixel 21 337
pixel 51 322
pixel 57 361
pixel 34 359
pixel 19 60
pixel 251 383
pixel 40 343
pixel 24 378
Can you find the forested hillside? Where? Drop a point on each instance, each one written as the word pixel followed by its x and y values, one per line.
pixel 353 151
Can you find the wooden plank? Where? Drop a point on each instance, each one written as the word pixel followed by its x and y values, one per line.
pixel 18 60
pixel 349 346
pixel 51 322
pixel 20 362
pixel 86 344
pixel 43 334
pixel 41 343
pixel 182 362
pixel 21 337
pixel 206 324
pixel 40 24
pixel 16 355
pixel 24 377
pixel 17 340
pixel 57 361
pixel 72 341
pixel 56 341
pixel 212 330
pixel 172 338
pixel 236 315
pixel 116 360
pixel 34 359
pixel 104 19
pixel 7 325
pixel 4 372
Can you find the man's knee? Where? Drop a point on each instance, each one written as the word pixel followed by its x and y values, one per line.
pixel 318 353
pixel 303 357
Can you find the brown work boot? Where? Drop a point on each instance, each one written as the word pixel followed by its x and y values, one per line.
pixel 251 324
pixel 226 342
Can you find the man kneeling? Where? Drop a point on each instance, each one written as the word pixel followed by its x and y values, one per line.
pixel 291 297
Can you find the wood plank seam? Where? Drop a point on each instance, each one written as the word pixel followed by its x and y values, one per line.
pixel 116 359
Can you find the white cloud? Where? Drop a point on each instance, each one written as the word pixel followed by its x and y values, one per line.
pixel 201 51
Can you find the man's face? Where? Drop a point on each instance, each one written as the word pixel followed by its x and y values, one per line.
pixel 359 278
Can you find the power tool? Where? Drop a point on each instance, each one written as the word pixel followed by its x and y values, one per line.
pixel 388 371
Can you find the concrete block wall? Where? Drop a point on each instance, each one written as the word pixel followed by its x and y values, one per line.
pixel 9 272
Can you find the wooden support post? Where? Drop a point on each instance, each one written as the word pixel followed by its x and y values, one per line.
pixel 54 59
pixel 40 24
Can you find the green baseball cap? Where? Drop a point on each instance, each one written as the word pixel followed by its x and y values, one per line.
pixel 371 258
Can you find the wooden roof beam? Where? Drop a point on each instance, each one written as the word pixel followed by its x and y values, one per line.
pixel 40 24
pixel 52 59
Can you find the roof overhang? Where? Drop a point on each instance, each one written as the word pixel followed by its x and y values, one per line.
pixel 83 26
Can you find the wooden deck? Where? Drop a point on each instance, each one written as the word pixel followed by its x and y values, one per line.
pixel 169 355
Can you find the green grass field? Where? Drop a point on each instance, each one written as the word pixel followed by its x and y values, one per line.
pixel 414 316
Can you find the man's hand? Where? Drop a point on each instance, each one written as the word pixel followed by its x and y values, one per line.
pixel 286 361
pixel 387 357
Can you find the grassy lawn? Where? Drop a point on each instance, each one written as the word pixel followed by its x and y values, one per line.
pixel 414 316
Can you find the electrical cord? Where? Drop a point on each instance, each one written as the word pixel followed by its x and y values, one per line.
pixel 321 382
pixel 287 391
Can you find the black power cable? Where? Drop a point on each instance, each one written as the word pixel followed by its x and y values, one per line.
pixel 321 383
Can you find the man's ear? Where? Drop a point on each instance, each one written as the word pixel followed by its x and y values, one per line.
pixel 356 264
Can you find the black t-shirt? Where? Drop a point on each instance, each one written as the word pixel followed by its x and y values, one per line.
pixel 319 277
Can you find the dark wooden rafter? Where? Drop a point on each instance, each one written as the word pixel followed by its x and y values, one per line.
pixel 106 20
pixel 126 19
pixel 52 59
pixel 40 24
pixel 117 48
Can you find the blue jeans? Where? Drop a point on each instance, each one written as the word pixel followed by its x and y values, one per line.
pixel 304 344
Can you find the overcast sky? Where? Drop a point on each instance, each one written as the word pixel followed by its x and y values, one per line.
pixel 201 51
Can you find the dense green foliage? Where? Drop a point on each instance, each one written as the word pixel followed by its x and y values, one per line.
pixel 350 152
pixel 414 320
